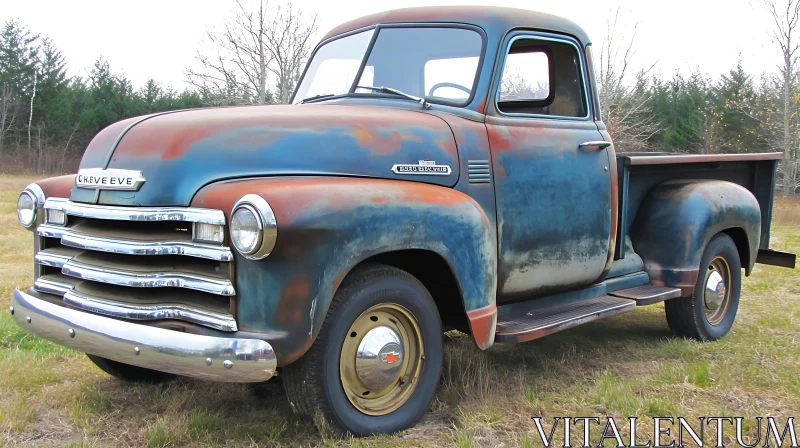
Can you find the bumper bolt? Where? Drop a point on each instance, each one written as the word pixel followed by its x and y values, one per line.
pixel 28 319
pixel 208 361
pixel 136 350
pixel 71 333
pixel 228 364
pixel 11 310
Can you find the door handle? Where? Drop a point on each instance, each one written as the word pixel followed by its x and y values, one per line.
pixel 597 146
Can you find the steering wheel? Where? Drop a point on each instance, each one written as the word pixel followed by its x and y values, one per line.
pixel 449 84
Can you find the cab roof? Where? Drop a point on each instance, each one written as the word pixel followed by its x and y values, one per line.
pixel 494 20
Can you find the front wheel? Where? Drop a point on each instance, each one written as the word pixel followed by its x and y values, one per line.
pixel 708 314
pixel 376 362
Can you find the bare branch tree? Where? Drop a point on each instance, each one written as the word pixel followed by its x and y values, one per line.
pixel 625 104
pixel 290 42
pixel 9 110
pixel 514 86
pixel 232 60
pixel 235 63
pixel 786 18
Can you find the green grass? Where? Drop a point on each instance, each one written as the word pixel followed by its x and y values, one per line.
pixel 628 365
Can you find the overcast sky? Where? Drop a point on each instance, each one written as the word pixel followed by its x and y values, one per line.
pixel 159 38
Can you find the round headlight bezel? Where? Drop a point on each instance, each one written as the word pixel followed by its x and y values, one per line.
pixel 36 195
pixel 267 225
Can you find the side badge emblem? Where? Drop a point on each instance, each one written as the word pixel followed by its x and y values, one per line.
pixel 423 168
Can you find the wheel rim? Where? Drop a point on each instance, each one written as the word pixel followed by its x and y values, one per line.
pixel 381 359
pixel 716 294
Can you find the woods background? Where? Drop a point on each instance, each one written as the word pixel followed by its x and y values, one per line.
pixel 256 55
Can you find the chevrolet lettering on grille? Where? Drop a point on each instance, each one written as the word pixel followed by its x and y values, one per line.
pixel 109 179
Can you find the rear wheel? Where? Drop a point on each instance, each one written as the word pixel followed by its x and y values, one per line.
pixel 708 314
pixel 376 362
pixel 129 373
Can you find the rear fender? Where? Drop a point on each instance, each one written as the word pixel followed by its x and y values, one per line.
pixel 678 218
pixel 327 226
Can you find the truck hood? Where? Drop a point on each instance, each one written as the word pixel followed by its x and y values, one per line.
pixel 180 152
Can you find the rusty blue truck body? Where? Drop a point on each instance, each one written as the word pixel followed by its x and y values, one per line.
pixel 517 216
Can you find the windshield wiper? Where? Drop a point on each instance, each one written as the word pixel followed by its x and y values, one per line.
pixel 316 97
pixel 382 89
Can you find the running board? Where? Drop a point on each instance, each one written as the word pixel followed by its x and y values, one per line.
pixel 550 319
pixel 648 294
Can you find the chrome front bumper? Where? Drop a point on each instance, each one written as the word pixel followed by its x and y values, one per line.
pixel 205 357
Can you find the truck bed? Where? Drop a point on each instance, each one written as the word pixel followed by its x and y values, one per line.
pixel 639 172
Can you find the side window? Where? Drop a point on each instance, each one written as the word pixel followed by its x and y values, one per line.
pixel 542 77
pixel 526 77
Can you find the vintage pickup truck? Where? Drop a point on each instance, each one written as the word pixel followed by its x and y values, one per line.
pixel 439 168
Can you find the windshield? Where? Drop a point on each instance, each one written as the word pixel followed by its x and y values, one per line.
pixel 434 63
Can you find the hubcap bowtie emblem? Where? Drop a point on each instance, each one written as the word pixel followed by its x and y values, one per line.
pixel 391 357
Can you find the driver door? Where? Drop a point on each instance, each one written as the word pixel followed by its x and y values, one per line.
pixel 553 190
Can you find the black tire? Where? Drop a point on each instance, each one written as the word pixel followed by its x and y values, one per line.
pixel 313 383
pixel 686 315
pixel 129 373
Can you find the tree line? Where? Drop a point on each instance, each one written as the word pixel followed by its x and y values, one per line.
pixel 47 117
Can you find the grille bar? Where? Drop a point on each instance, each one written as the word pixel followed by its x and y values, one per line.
pixel 106 307
pixel 57 284
pixel 133 247
pixel 55 257
pixel 143 279
pixel 48 231
pixel 200 215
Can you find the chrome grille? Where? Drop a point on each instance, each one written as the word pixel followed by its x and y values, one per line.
pixel 137 263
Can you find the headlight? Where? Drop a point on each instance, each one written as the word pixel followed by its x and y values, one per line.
pixel 29 206
pixel 26 209
pixel 254 229
pixel 245 230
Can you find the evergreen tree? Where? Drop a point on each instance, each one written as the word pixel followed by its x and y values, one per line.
pixel 732 105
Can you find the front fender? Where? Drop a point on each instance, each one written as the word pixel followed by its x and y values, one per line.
pixel 327 225
pixel 678 218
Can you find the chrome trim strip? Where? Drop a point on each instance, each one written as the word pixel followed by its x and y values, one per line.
pixel 45 258
pixel 109 274
pixel 88 242
pixel 51 231
pixel 50 287
pixel 223 322
pixel 206 357
pixel 191 214
pixel 38 193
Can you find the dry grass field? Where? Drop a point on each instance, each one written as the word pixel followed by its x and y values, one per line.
pixel 624 366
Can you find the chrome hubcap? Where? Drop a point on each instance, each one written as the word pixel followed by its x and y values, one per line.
pixel 379 359
pixel 716 292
